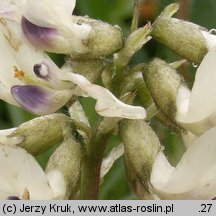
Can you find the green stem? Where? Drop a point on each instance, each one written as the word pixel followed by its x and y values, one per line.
pixel 117 81
pixel 92 165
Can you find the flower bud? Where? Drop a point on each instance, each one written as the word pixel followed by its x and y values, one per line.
pixel 136 183
pixel 132 45
pixel 141 148
pixel 143 94
pixel 60 32
pixel 188 40
pixel 146 100
pixel 107 76
pixel 41 133
pixel 104 39
pixel 67 159
pixel 163 83
pixel 90 68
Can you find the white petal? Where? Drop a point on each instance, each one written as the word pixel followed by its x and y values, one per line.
pixel 210 39
pixel 77 113
pixel 18 48
pixel 7 63
pixel 57 184
pixel 188 138
pixel 47 13
pixel 7 9
pixel 194 177
pixel 20 172
pixel 108 162
pixel 7 132
pixel 4 140
pixel 17 54
pixel 5 95
pixel 67 35
pixel 182 103
pixel 107 104
pixel 201 113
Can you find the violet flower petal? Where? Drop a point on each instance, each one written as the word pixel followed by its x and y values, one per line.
pixel 38 36
pixel 40 100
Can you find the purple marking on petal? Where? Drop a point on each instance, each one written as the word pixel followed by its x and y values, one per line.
pixel 38 72
pixel 47 72
pixel 37 69
pixel 33 98
pixel 37 35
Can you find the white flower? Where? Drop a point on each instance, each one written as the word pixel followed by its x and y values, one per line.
pixel 107 104
pixel 48 25
pixel 23 178
pixel 30 79
pixel 196 110
pixel 195 175
pixel 19 82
